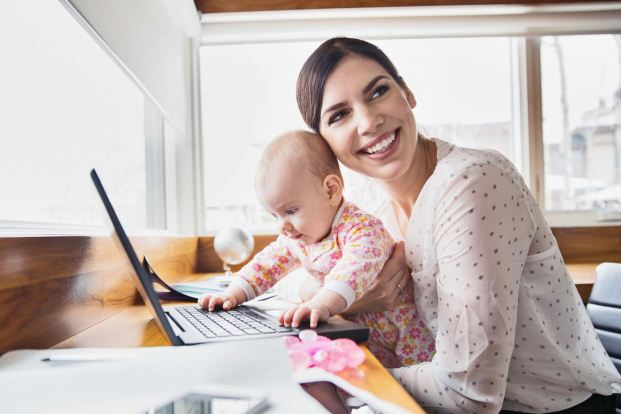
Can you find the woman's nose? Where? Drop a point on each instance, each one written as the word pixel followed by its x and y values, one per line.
pixel 368 120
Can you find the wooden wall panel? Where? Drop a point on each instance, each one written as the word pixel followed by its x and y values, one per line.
pixel 26 260
pixel 54 287
pixel 42 314
pixel 589 244
pixel 219 6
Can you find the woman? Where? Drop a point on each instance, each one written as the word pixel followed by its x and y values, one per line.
pixel 489 280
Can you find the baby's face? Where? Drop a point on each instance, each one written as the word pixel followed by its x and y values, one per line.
pixel 299 203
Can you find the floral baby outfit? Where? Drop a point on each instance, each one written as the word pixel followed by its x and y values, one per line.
pixel 345 262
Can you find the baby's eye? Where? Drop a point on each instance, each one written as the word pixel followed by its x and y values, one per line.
pixel 379 91
pixel 291 211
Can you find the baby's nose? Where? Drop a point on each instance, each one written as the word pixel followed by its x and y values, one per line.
pixel 285 226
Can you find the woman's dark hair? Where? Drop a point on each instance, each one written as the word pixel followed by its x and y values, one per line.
pixel 321 64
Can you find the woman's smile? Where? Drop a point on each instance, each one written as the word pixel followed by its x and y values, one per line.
pixel 382 147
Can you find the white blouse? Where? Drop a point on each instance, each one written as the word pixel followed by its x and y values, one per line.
pixel 490 283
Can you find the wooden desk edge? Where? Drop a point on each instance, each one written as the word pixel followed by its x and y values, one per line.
pixel 134 327
pixel 583 276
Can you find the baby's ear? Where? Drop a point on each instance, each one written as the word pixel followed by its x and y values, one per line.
pixel 333 186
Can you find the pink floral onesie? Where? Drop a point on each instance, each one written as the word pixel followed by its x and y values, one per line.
pixel 346 262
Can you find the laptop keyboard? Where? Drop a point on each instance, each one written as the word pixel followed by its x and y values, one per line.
pixel 236 322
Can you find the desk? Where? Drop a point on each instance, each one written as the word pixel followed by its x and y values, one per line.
pixel 134 327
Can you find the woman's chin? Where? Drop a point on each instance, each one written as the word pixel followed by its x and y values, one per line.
pixel 386 172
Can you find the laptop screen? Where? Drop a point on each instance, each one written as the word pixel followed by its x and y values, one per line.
pixel 141 279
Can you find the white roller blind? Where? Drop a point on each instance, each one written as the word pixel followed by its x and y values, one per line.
pixel 154 41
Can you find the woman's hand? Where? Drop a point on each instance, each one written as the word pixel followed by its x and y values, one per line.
pixel 383 292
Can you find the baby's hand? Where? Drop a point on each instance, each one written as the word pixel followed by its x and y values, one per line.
pixel 210 301
pixel 296 314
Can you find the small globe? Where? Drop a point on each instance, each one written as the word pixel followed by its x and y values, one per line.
pixel 233 245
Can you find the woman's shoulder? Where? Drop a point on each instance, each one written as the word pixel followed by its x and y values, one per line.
pixel 453 160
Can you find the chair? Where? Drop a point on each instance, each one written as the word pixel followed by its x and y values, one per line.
pixel 604 307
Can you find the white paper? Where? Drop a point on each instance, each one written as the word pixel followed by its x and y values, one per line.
pixel 129 380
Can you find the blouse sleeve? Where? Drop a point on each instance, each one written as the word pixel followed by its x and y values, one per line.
pixel 482 231
pixel 366 247
pixel 266 268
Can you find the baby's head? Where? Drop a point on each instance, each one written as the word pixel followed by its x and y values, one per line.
pixel 300 183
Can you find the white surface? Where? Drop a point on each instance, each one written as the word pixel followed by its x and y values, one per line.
pixel 142 377
pixel 153 39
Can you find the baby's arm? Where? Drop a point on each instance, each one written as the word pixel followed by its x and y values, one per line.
pixel 262 272
pixel 367 246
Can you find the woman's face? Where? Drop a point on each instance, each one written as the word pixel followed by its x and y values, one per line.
pixel 367 120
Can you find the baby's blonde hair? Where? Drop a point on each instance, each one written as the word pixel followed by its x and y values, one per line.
pixel 298 149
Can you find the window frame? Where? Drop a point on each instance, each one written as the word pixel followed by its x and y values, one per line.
pixel 526 24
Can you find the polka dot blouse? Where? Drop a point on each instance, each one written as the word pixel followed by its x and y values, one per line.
pixel 490 284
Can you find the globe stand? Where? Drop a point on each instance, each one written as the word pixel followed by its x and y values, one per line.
pixel 228 273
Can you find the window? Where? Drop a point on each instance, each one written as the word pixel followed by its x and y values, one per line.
pixel 67 107
pixel 477 73
pixel 248 97
pixel 581 91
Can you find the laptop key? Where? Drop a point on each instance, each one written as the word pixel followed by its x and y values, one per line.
pixel 264 329
pixel 283 329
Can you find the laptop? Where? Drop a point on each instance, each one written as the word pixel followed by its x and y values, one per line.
pixel 190 325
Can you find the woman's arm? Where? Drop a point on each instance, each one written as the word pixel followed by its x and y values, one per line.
pixel 384 290
pixel 482 233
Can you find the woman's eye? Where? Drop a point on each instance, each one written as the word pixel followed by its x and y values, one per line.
pixel 291 211
pixel 337 116
pixel 379 91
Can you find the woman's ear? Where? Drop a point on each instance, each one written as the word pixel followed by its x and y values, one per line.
pixel 410 97
pixel 333 187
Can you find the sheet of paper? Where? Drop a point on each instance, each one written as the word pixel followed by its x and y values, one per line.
pixel 129 380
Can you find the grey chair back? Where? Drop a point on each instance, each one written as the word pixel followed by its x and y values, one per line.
pixel 604 307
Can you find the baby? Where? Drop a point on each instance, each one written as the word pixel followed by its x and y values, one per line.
pixel 299 182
